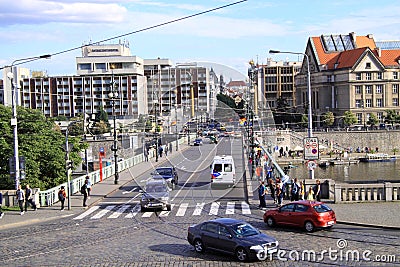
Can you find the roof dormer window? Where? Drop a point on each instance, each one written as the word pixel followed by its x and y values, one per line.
pixel 368 65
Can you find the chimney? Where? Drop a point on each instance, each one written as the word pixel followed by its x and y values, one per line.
pixel 379 50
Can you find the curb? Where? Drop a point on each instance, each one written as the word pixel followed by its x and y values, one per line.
pixel 369 225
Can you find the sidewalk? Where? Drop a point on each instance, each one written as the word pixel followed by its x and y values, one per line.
pixel 99 191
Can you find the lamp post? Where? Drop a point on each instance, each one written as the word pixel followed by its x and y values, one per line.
pixel 113 95
pixel 13 77
pixel 309 129
pixel 252 72
pixel 68 164
pixel 156 125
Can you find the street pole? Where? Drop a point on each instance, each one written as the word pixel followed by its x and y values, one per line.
pixel 156 127
pixel 309 129
pixel 113 97
pixel 176 127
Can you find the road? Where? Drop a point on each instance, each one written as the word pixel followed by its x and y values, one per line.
pixel 116 233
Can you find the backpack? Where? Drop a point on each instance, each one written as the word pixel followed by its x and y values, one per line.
pixel 60 195
pixel 83 189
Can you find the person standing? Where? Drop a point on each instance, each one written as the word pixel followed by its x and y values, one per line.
pixel 88 185
pixel 302 191
pixel 310 195
pixel 29 198
pixel 272 189
pixel 20 198
pixel 62 196
pixel 1 203
pixel 294 194
pixel 261 195
pixel 279 193
pixel 317 190
pixel 84 192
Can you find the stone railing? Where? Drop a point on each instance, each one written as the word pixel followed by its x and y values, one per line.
pixel 367 192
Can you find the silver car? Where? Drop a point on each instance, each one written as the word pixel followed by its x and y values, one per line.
pixel 155 196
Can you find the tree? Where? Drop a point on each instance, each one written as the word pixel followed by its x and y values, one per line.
pixel 372 120
pixel 328 119
pixel 101 124
pixel 349 118
pixel 304 121
pixel 391 117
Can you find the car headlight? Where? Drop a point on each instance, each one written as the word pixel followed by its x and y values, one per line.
pixel 257 247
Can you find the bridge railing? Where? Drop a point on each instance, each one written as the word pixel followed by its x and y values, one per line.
pixel 367 192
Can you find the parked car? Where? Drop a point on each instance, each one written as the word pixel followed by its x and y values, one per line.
pixel 197 142
pixel 303 213
pixel 169 174
pixel 232 236
pixel 155 195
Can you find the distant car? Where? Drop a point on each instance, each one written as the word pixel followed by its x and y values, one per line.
pixel 169 174
pixel 232 236
pixel 303 213
pixel 198 142
pixel 155 195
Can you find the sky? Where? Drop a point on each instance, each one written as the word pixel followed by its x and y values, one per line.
pixel 230 36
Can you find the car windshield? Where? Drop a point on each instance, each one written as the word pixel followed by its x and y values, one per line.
pixel 244 229
pixel 155 188
pixel 322 208
pixel 164 172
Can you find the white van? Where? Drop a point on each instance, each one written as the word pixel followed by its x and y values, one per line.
pixel 223 170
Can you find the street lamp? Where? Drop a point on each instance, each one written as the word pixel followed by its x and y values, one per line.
pixel 68 164
pixel 155 102
pixel 113 95
pixel 252 72
pixel 13 77
pixel 311 174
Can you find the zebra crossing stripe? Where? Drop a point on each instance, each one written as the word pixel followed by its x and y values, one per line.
pixel 147 214
pixel 103 212
pixel 182 209
pixel 230 208
pixel 86 213
pixel 214 208
pixel 135 210
pixel 118 213
pixel 199 208
pixel 245 208
pixel 165 213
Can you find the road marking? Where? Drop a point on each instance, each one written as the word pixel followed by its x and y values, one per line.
pixel 198 209
pixel 230 208
pixel 165 213
pixel 147 214
pixel 103 212
pixel 214 208
pixel 127 192
pixel 245 208
pixel 118 213
pixel 86 213
pixel 135 210
pixel 182 209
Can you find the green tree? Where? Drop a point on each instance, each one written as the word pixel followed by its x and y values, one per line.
pixel 349 118
pixel 391 117
pixel 372 120
pixel 328 119
pixel 304 121
pixel 101 124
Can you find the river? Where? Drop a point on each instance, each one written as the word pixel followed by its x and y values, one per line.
pixel 354 173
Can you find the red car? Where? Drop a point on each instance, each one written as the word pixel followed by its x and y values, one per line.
pixel 305 214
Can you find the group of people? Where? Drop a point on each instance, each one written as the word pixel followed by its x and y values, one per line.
pixel 25 198
pixel 295 190
pixel 86 189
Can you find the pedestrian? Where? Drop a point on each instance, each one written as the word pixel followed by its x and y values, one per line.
pixel 317 190
pixel 279 194
pixel 88 185
pixel 29 198
pixel 302 191
pixel 294 194
pixel 1 204
pixel 160 151
pixel 146 154
pixel 84 192
pixel 62 196
pixel 310 194
pixel 170 147
pixel 20 198
pixel 272 189
pixel 261 195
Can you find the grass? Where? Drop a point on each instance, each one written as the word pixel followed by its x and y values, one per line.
pixel 15 208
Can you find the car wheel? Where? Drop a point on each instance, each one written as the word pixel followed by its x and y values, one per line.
pixel 198 246
pixel 169 207
pixel 270 222
pixel 241 254
pixel 309 226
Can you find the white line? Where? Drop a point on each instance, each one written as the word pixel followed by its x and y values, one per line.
pixel 165 213
pixel 245 208
pixel 214 208
pixel 147 214
pixel 182 209
pixel 103 212
pixel 230 208
pixel 86 213
pixel 118 213
pixel 135 210
pixel 199 208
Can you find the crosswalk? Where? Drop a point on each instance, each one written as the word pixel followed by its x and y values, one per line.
pixel 132 210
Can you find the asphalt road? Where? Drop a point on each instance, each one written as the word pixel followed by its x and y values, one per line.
pixel 116 233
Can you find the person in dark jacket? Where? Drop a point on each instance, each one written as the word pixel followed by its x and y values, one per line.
pixel 29 198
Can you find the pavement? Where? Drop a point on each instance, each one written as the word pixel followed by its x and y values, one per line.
pixel 371 214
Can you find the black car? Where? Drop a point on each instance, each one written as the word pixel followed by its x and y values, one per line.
pixel 232 236
pixel 169 174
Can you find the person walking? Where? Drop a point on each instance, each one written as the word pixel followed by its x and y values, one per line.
pixel 1 204
pixel 29 198
pixel 21 199
pixel 84 192
pixel 279 193
pixel 294 194
pixel 302 191
pixel 261 195
pixel 62 196
pixel 88 185
pixel 272 189
pixel 310 194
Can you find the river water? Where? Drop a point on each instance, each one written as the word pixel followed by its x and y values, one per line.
pixel 354 173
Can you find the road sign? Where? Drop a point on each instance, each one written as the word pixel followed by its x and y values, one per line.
pixel 311 165
pixel 311 148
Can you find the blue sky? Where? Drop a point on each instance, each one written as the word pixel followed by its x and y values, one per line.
pixel 230 36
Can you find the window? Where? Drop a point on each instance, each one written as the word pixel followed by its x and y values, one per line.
pixel 330 78
pixel 227 167
pixel 368 89
pixel 358 76
pixel 288 207
pixel 368 103
pixel 395 102
pixel 223 230
pixel 358 89
pixel 358 103
pixel 359 118
pixel 368 65
pixel 379 75
pixel 210 227
pixel 368 76
pixel 300 208
pixel 395 75
pixel 379 102
pixel 395 88
pixel 379 115
pixel 321 208
pixel 379 89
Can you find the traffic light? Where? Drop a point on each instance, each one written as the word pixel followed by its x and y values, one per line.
pixel 69 164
